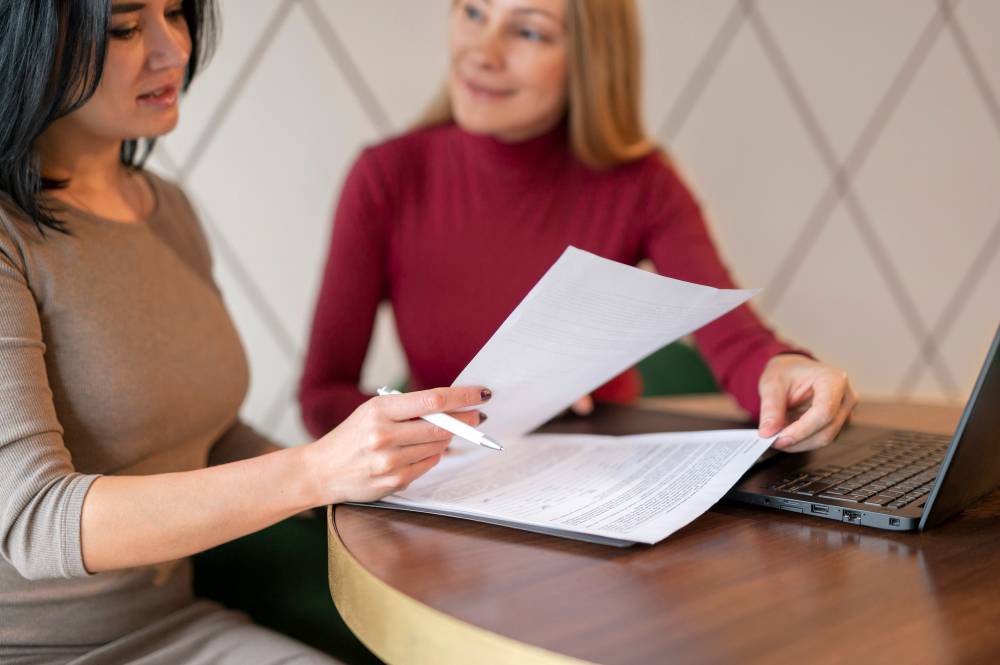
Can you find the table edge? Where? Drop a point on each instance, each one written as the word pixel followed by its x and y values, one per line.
pixel 401 630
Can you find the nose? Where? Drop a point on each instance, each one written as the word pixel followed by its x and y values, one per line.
pixel 488 51
pixel 167 46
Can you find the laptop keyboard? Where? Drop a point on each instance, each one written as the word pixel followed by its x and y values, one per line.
pixel 901 473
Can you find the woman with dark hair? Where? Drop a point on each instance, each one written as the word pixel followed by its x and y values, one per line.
pixel 121 374
pixel 535 144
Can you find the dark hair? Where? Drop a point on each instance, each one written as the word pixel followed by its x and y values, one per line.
pixel 52 56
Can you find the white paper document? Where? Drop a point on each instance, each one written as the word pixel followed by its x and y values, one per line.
pixel 632 488
pixel 586 320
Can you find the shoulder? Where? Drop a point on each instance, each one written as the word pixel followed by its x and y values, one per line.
pixel 18 233
pixel 407 156
pixel 661 184
pixel 398 169
pixel 12 219
pixel 169 196
pixel 655 171
pixel 411 149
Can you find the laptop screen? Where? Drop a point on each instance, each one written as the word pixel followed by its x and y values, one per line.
pixel 971 469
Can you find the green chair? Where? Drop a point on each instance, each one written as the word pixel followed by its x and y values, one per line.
pixel 278 576
pixel 676 369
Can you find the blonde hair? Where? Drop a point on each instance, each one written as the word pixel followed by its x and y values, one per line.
pixel 605 120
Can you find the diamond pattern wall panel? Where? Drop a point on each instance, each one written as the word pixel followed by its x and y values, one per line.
pixel 965 330
pixel 948 182
pixel 844 55
pixel 248 30
pixel 683 42
pixel 846 153
pixel 750 159
pixel 853 309
pixel 287 141
pixel 979 20
pixel 399 48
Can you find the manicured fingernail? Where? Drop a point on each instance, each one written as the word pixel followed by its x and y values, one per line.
pixel 482 418
pixel 783 442
pixel 485 394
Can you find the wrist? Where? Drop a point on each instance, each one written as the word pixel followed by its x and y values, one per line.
pixel 299 478
pixel 311 478
pixel 787 357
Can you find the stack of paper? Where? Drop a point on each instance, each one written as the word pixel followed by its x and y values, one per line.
pixel 586 321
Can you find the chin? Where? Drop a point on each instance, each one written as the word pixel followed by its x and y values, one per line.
pixel 480 128
pixel 482 123
pixel 149 123
pixel 161 127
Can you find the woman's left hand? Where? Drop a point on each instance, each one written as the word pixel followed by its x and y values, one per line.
pixel 814 399
pixel 583 406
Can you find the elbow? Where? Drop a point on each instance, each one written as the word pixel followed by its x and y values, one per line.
pixel 33 563
pixel 40 531
pixel 33 573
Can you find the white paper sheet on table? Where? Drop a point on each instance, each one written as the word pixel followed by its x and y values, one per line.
pixel 587 320
pixel 632 488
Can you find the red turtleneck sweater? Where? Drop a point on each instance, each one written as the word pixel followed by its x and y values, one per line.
pixel 454 230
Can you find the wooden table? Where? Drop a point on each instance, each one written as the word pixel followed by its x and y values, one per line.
pixel 738 585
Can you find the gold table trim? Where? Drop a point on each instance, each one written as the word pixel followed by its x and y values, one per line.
pixel 403 631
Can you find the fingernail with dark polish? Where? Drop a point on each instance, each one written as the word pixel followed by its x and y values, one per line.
pixel 482 418
pixel 485 394
pixel 783 442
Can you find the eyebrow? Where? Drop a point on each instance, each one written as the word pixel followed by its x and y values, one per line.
pixel 127 7
pixel 527 10
pixel 541 12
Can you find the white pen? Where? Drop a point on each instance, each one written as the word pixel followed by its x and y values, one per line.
pixel 453 425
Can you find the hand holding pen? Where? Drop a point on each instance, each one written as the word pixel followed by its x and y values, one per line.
pixel 456 427
pixel 382 447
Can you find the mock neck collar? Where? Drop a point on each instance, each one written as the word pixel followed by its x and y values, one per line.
pixel 521 158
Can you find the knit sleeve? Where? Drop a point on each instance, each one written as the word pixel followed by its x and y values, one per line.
pixel 41 496
pixel 354 282
pixel 737 345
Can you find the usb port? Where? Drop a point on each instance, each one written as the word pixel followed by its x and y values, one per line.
pixel 852 517
pixel 821 510
pixel 893 521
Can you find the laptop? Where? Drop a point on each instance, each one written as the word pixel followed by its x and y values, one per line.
pixel 890 479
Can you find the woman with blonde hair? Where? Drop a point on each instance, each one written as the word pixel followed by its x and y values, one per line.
pixel 536 144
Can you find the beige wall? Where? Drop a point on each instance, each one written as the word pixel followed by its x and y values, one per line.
pixel 846 151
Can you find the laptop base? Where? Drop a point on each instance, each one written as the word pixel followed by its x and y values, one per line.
pixel 856 443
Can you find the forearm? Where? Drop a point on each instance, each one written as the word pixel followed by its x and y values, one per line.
pixel 737 347
pixel 132 521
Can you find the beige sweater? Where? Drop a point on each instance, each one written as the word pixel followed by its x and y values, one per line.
pixel 117 356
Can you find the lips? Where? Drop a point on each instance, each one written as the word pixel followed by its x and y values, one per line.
pixel 487 92
pixel 163 97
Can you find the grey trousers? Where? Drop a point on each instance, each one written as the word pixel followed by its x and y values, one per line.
pixel 203 633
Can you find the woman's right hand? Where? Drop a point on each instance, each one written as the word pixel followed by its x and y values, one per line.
pixel 384 446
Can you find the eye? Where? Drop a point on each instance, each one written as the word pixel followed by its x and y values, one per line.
pixel 175 14
pixel 474 13
pixel 530 35
pixel 123 33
